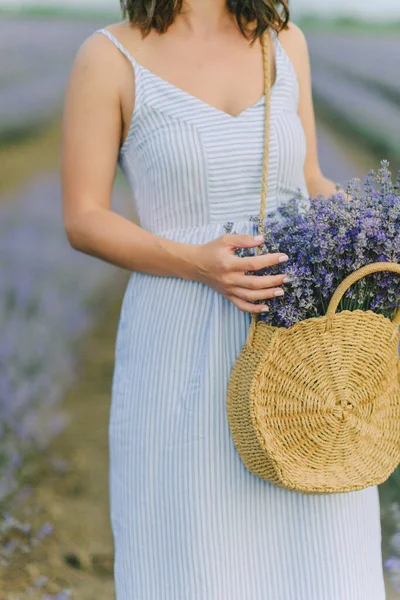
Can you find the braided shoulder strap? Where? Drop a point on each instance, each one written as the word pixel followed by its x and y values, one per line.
pixel 267 124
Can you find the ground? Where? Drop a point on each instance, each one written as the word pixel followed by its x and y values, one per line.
pixel 79 554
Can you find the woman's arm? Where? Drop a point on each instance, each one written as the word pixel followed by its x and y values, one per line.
pixel 296 47
pixel 92 129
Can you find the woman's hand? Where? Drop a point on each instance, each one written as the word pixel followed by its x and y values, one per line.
pixel 218 267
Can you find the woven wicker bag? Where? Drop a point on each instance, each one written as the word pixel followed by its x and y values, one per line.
pixel 316 407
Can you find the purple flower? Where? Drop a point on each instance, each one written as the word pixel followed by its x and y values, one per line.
pixel 392 564
pixel 329 239
pixel 41 581
pixel 49 297
pixel 44 531
pixel 63 595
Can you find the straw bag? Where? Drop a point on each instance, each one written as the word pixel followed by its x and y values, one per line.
pixel 316 407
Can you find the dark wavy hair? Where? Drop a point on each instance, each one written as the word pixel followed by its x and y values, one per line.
pixel 253 16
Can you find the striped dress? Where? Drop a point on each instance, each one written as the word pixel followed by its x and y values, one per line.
pixel 190 522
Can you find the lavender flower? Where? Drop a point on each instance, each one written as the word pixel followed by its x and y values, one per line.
pixel 326 241
pixel 41 581
pixel 49 296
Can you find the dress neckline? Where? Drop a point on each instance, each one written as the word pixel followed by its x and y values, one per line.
pixel 167 84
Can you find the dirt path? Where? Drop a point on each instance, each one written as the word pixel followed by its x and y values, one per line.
pixel 22 158
pixel 78 555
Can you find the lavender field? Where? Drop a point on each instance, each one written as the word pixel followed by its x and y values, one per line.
pixel 51 296
pixel 355 76
pixel 33 78
pixel 372 59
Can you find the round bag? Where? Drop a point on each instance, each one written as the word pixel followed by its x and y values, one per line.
pixel 316 407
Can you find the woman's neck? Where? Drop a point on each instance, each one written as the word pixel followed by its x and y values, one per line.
pixel 204 18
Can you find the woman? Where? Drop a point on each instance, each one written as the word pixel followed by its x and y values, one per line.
pixel 175 94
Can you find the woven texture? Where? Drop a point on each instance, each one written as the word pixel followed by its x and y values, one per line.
pixel 316 408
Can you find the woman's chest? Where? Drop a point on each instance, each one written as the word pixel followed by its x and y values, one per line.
pixel 226 73
pixel 201 160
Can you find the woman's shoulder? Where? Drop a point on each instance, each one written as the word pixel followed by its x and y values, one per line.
pixel 97 59
pixel 99 78
pixel 97 52
pixel 96 47
pixel 294 42
pixel 293 38
pixel 125 33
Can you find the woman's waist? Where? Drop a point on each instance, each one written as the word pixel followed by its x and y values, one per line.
pixel 204 233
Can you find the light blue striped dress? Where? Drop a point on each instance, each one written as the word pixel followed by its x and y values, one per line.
pixel 190 522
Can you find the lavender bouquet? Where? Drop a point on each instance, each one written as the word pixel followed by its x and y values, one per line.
pixel 328 239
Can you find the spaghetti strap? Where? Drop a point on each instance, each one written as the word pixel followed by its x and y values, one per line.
pixel 137 74
pixel 118 44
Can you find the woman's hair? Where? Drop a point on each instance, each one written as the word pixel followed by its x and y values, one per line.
pixel 253 16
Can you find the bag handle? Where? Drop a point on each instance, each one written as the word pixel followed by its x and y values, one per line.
pixel 356 276
pixel 267 123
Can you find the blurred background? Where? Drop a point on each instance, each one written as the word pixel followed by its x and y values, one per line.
pixel 59 309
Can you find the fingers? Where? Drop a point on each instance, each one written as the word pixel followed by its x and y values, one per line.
pixel 253 295
pixel 235 240
pixel 252 263
pixel 247 306
pixel 253 282
pixel 255 263
pixel 244 289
